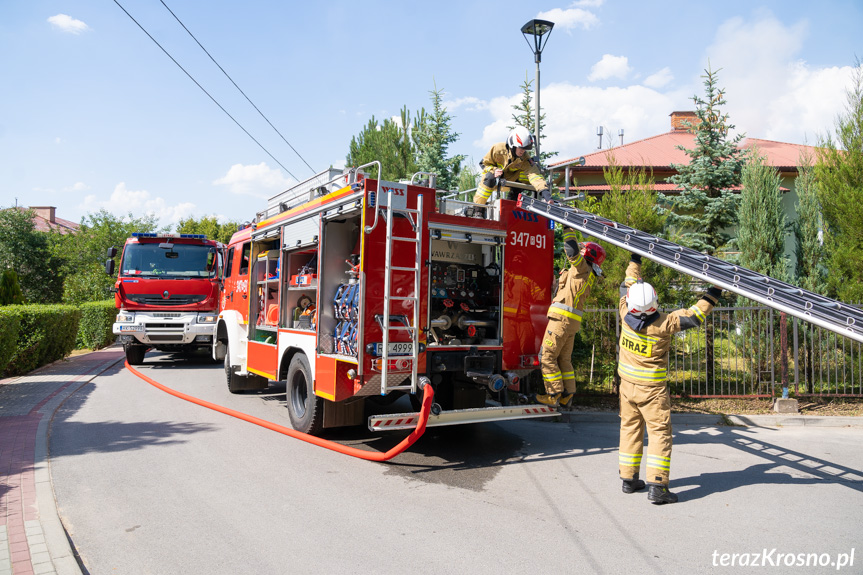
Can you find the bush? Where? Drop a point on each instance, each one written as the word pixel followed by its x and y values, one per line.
pixel 10 320
pixel 97 319
pixel 46 333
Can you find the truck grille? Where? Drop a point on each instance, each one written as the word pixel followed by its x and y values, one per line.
pixel 174 299
pixel 165 337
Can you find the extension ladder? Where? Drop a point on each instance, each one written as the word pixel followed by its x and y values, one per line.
pixel 838 317
pixel 392 203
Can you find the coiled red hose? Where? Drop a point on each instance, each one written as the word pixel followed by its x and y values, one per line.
pixel 428 396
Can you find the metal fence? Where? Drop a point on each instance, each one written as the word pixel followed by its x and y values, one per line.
pixel 738 352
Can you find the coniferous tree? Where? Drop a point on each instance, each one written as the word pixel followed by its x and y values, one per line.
pixel 707 206
pixel 10 289
pixel 387 143
pixel 525 115
pixel 761 230
pixel 808 235
pixel 433 135
pixel 839 171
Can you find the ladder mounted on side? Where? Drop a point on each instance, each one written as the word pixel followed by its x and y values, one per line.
pixel 838 317
pixel 390 203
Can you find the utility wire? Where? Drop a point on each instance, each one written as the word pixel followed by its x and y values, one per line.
pixel 237 87
pixel 203 90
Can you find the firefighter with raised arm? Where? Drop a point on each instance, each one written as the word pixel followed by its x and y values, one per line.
pixel 564 318
pixel 645 400
pixel 511 161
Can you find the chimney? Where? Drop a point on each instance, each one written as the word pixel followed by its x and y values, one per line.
pixel 47 212
pixel 677 119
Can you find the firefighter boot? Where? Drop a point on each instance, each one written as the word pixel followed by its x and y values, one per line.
pixel 565 399
pixel 551 399
pixel 657 493
pixel 633 485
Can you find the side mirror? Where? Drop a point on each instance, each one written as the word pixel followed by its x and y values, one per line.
pixel 109 266
pixel 112 252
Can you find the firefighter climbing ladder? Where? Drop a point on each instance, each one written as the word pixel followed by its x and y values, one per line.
pixel 808 306
pixel 396 205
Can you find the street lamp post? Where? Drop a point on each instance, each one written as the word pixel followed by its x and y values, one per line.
pixel 539 30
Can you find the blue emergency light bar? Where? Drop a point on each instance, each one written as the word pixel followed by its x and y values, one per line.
pixel 154 235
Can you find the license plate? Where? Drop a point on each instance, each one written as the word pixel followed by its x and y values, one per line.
pixel 395 348
pixel 131 328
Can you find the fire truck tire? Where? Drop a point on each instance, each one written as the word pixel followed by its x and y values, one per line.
pixel 135 354
pixel 305 409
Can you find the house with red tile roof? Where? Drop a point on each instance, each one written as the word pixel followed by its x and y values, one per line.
pixel 46 220
pixel 658 153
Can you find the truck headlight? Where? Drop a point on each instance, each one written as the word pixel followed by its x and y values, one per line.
pixel 207 318
pixel 125 317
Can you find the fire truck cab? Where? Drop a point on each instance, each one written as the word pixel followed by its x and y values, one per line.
pixel 347 287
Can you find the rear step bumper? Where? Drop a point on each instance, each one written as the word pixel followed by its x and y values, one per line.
pixel 460 416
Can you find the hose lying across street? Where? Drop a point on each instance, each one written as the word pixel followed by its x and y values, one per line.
pixel 428 396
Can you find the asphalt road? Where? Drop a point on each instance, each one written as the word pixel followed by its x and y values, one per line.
pixel 148 483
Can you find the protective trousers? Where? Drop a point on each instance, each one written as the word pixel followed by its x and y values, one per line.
pixel 645 406
pixel 557 372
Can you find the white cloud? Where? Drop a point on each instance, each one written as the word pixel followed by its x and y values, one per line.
pixel 579 110
pixel 659 79
pixel 77 187
pixel 124 201
pixel 771 93
pixel 610 67
pixel 468 104
pixel 68 24
pixel 258 180
pixel 572 17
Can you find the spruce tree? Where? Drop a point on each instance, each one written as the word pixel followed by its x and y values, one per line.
pixel 707 206
pixel 761 230
pixel 839 171
pixel 808 235
pixel 525 115
pixel 10 289
pixel 433 135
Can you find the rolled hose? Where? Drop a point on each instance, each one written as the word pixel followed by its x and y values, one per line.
pixel 428 396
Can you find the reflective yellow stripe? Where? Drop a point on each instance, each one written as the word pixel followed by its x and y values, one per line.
pixel 552 376
pixel 659 462
pixel 564 313
pixel 630 280
pixel 483 191
pixel 644 374
pixel 633 459
pixel 510 309
pixel 641 337
pixel 568 374
pixel 698 313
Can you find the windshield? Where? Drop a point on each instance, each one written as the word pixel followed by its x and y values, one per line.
pixel 176 261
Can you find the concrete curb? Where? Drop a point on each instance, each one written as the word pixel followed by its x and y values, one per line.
pixel 717 419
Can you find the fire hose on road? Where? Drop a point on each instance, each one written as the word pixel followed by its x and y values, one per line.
pixel 428 396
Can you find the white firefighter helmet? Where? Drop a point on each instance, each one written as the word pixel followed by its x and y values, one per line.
pixel 641 299
pixel 520 137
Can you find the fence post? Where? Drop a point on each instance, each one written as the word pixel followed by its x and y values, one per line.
pixel 783 361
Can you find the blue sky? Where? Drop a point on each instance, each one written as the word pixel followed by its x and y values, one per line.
pixel 94 115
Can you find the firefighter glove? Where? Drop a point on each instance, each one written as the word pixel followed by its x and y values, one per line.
pixel 635 258
pixel 489 179
pixel 714 292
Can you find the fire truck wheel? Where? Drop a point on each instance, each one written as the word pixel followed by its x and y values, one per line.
pixel 135 354
pixel 305 409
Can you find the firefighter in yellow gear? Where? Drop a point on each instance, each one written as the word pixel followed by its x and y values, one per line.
pixel 564 319
pixel 645 401
pixel 511 161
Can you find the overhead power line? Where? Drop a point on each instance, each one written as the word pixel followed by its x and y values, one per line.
pixel 204 90
pixel 237 87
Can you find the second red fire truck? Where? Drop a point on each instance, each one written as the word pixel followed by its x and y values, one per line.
pixel 347 288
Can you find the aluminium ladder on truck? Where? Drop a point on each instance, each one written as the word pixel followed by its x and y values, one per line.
pixel 838 317
pixel 389 205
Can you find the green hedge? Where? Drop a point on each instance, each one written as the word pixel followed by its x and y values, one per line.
pixel 46 333
pixel 97 319
pixel 10 322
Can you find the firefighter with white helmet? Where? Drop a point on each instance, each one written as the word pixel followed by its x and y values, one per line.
pixel 564 318
pixel 645 401
pixel 511 161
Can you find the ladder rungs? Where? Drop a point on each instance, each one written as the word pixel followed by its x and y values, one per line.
pixel 401 269
pixel 400 239
pixel 399 387
pixel 404 298
pixel 400 327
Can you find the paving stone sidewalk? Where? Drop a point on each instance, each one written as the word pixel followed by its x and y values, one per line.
pixel 32 539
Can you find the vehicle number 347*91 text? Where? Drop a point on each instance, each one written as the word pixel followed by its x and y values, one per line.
pixel 525 239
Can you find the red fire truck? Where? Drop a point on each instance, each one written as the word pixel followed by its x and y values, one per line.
pixel 348 288
pixel 167 292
